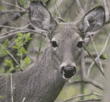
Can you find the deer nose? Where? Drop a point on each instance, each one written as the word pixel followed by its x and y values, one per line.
pixel 68 71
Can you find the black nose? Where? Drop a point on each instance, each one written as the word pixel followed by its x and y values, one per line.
pixel 68 71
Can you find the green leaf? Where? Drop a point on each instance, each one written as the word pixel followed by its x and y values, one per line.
pixel 21 2
pixel 18 40
pixel 6 43
pixel 28 34
pixel 27 60
pixel 27 37
pixel 0 7
pixel 8 63
pixel 20 34
pixel 1 96
pixel 2 70
pixel 66 20
pixel 10 70
pixel 3 48
pixel 15 47
pixel 104 56
pixel 4 52
pixel 22 50
pixel 20 54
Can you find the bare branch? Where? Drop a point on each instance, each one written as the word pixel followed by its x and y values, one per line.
pixel 82 95
pixel 80 7
pixel 91 100
pixel 83 72
pixel 107 10
pixel 21 28
pixel 106 42
pixel 23 99
pixel 9 27
pixel 7 22
pixel 11 88
pixel 88 5
pixel 89 61
pixel 83 69
pixel 57 11
pixel 12 11
pixel 94 61
pixel 88 81
pixel 22 31
pixel 12 5
pixel 97 53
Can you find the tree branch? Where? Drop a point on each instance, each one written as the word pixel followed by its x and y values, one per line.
pixel 88 81
pixel 82 95
pixel 12 11
pixel 106 42
pixel 80 7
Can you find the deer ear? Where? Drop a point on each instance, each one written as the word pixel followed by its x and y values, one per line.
pixel 40 18
pixel 92 21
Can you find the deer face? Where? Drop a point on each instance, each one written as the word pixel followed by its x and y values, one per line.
pixel 66 42
pixel 66 46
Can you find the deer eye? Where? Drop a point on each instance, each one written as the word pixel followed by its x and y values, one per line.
pixel 54 43
pixel 80 44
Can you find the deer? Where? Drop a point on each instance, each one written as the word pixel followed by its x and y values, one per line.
pixel 58 63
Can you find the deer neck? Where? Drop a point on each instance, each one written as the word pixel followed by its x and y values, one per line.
pixel 45 75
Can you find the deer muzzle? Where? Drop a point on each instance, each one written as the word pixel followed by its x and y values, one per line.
pixel 68 71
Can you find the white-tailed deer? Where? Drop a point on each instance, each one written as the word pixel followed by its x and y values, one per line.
pixel 44 81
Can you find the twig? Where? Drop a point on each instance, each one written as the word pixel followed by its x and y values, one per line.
pixel 11 88
pixel 107 11
pixel 80 7
pixel 89 61
pixel 88 81
pixel 23 99
pixel 106 42
pixel 94 55
pixel 12 5
pixel 57 10
pixel 83 95
pixel 94 61
pixel 11 55
pixel 22 31
pixel 14 33
pixel 21 28
pixel 17 16
pixel 88 5
pixel 16 29
pixel 83 72
pixel 97 54
pixel 9 27
pixel 9 32
pixel 91 100
pixel 12 11
pixel 83 69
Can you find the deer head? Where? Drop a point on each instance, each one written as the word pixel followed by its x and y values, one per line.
pixel 65 39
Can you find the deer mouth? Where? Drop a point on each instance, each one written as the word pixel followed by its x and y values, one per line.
pixel 68 72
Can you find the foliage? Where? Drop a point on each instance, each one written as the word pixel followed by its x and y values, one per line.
pixel 3 47
pixel 104 56
pixel 1 96
pixel 20 41
pixel 1 8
